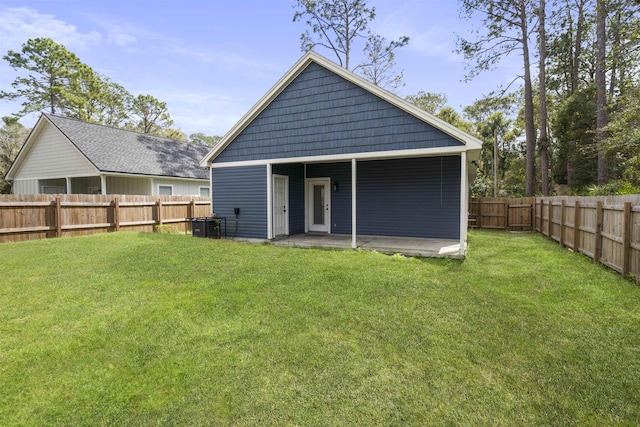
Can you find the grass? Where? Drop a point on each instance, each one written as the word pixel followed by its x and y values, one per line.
pixel 158 329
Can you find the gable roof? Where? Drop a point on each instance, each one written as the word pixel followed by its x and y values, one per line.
pixel 470 143
pixel 113 150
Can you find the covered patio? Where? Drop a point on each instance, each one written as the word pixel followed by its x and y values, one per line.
pixel 408 246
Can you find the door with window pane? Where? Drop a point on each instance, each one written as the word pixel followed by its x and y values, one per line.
pixel 319 204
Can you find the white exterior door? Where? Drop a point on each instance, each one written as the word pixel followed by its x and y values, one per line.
pixel 280 202
pixel 319 204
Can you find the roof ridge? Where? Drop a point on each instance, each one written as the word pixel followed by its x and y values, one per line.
pixel 123 130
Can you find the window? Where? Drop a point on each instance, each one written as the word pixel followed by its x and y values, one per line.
pixel 53 186
pixel 204 192
pixel 165 190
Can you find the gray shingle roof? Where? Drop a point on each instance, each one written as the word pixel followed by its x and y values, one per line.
pixel 121 151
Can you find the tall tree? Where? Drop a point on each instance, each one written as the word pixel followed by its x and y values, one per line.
pixel 504 30
pixel 379 65
pixel 149 115
pixel 202 139
pixel 101 101
pixel 52 79
pixel 337 25
pixel 601 89
pixel 542 81
pixel 12 137
pixel 431 102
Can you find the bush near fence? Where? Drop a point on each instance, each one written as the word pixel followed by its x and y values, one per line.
pixel 40 216
pixel 606 228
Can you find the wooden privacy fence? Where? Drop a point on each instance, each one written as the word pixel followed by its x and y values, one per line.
pixel 606 229
pixel 42 216
pixel 503 213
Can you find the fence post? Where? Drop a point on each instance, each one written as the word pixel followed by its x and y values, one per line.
pixel 576 228
pixel 562 205
pixel 597 252
pixel 626 245
pixel 506 215
pixel 550 215
pixel 159 207
pixel 116 214
pixel 58 217
pixel 193 215
pixel 480 213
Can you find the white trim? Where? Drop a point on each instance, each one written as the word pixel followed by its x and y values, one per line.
pixel 306 219
pixel 471 142
pixel 137 175
pixel 376 155
pixel 68 180
pixel 269 202
pixel 211 191
pixel 354 174
pixel 286 197
pixel 327 182
pixel 464 196
pixel 160 184
pixel 103 184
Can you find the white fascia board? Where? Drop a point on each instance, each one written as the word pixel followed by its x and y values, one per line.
pixel 470 142
pixel 377 155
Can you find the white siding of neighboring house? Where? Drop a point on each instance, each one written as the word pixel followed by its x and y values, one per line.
pixel 25 186
pixel 128 185
pixel 53 156
pixel 181 187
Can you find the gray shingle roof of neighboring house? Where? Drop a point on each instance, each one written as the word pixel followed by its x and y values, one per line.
pixel 122 151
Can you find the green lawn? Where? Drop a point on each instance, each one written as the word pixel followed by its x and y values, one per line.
pixel 157 329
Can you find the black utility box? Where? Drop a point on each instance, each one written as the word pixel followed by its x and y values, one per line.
pixel 206 227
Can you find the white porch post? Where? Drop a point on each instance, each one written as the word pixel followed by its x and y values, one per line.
pixel 353 204
pixel 464 199
pixel 68 180
pixel 306 216
pixel 211 185
pixel 103 184
pixel 269 203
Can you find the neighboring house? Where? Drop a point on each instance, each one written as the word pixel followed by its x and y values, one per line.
pixel 326 151
pixel 69 156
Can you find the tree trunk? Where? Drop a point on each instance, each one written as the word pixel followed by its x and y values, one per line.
pixel 544 141
pixel 601 90
pixel 495 162
pixel 577 50
pixel 528 107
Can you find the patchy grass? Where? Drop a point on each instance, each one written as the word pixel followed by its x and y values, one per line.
pixel 159 329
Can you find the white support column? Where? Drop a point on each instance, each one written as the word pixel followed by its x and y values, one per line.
pixel 269 202
pixel 464 200
pixel 68 180
pixel 306 202
pixel 211 185
pixel 103 184
pixel 354 245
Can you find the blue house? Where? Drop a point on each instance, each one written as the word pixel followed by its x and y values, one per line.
pixel 325 151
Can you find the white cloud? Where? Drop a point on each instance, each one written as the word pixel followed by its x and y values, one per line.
pixel 19 24
pixel 120 39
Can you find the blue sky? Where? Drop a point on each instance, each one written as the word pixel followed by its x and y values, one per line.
pixel 210 61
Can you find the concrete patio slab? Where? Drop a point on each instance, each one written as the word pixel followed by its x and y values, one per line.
pixel 408 246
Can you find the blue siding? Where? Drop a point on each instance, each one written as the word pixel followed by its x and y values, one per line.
pixel 244 188
pixel 320 113
pixel 409 197
pixel 339 173
pixel 295 172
